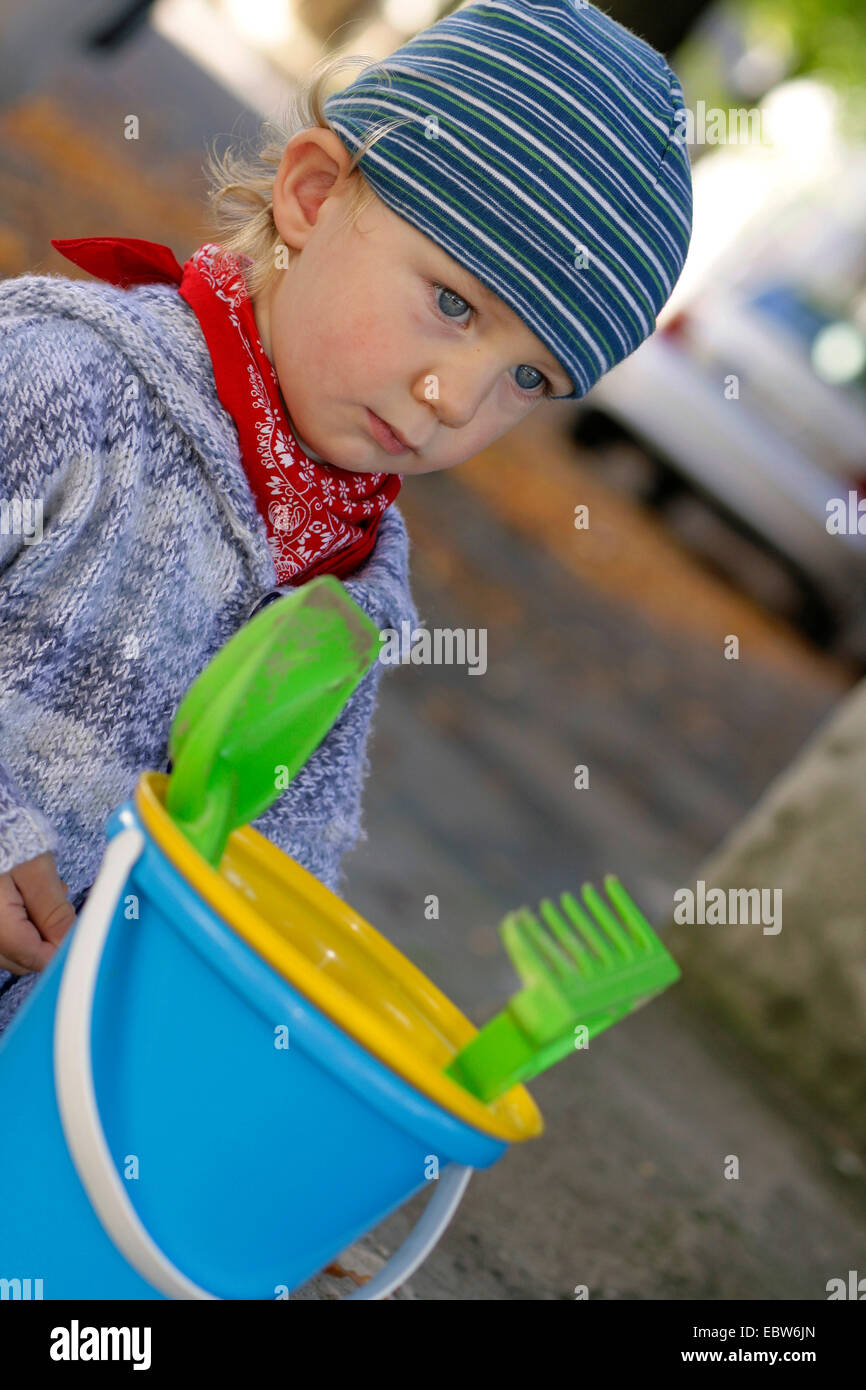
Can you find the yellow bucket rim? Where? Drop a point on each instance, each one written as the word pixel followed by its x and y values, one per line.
pixel 511 1117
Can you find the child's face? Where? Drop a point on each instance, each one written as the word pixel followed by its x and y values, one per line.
pixel 355 324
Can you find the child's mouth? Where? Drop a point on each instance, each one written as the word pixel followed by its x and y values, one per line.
pixel 384 435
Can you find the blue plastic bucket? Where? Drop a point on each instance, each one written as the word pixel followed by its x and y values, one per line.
pixel 222 1164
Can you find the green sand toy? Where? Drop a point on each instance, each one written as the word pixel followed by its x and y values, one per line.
pixel 261 707
pixel 590 976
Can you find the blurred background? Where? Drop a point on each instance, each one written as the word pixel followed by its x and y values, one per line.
pixel 708 461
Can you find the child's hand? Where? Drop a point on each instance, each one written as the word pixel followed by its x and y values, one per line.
pixel 35 914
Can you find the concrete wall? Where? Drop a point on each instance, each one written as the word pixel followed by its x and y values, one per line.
pixel 798 997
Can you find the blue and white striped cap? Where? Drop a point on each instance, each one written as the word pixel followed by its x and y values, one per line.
pixel 538 144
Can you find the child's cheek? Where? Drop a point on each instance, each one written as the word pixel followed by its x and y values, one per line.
pixel 368 348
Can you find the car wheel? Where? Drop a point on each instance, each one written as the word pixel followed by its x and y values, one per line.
pixel 592 428
pixel 816 618
pixel 751 563
pixel 623 463
pixel 664 485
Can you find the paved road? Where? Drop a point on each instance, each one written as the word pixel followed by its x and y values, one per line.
pixel 604 649
pixel 471 798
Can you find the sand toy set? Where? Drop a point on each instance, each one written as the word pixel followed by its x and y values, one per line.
pixel 225 1076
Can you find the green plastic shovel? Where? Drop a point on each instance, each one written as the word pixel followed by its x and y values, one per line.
pixel 260 708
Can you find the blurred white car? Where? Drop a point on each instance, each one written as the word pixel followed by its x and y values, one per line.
pixel 754 398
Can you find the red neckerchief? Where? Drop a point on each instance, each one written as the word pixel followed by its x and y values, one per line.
pixel 320 519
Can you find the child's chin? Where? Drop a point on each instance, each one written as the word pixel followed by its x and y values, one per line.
pixel 371 468
pixel 376 461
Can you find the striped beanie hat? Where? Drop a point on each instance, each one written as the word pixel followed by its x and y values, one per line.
pixel 538 143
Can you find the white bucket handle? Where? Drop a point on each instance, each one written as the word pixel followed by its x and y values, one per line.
pixel 79 1111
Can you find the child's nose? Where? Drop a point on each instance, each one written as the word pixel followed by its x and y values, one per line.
pixel 461 393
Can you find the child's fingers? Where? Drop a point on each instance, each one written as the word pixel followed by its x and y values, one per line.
pixel 44 897
pixel 22 947
pixel 31 961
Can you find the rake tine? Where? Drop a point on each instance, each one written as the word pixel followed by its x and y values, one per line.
pixel 567 938
pixel 593 939
pixel 606 920
pixel 538 943
pixel 629 911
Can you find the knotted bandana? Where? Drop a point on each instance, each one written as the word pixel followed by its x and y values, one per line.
pixel 320 519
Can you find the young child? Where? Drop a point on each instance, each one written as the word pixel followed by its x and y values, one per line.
pixel 492 217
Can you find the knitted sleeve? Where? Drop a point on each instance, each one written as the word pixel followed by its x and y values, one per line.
pixel 52 375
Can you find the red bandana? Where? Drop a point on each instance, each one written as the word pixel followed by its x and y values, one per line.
pixel 320 519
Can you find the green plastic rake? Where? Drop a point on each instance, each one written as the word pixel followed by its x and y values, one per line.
pixel 582 968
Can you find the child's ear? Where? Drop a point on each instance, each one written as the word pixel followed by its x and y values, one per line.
pixel 314 166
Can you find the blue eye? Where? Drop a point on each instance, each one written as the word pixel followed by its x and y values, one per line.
pixel 529 385
pixel 454 305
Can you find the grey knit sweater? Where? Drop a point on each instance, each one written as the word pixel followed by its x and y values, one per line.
pixel 152 554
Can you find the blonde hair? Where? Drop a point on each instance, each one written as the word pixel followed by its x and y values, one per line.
pixel 241 180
